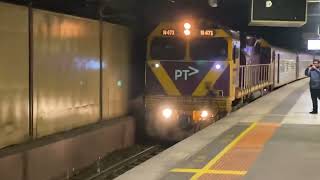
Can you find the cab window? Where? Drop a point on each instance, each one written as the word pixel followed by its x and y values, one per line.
pixel 212 49
pixel 163 48
pixel 235 53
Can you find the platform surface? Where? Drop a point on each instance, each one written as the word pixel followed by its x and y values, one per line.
pixel 274 138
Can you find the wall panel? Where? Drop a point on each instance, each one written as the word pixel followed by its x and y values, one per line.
pixel 14 74
pixel 66 72
pixel 116 59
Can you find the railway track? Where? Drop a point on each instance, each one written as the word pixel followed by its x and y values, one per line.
pixel 125 165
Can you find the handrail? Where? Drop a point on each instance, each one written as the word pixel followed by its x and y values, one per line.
pixel 253 75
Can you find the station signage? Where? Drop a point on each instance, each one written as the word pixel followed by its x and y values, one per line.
pixel 314 44
pixel 278 13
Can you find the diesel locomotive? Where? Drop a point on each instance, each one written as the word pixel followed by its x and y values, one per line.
pixel 197 71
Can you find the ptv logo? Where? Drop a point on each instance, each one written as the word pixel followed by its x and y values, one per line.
pixel 185 73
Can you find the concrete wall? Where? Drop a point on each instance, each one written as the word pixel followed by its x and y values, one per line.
pixel 59 72
pixel 66 72
pixel 52 157
pixel 116 40
pixel 14 75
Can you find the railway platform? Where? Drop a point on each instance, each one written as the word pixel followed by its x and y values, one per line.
pixel 273 137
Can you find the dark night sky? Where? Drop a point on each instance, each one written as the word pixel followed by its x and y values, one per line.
pixel 231 13
pixel 143 15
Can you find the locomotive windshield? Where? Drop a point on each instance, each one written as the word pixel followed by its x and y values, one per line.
pixel 212 49
pixel 163 48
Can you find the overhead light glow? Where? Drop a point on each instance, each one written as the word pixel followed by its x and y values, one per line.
pixel 268 4
pixel 119 83
pixel 157 65
pixel 218 66
pixel 213 3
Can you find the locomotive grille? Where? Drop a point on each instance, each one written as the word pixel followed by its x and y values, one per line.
pixel 186 103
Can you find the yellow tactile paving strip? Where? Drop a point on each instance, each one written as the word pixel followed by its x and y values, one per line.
pixel 233 162
pixel 246 151
pixel 237 159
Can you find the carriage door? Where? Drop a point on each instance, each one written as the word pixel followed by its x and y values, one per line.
pixel 297 66
pixel 236 63
pixel 278 69
pixel 273 68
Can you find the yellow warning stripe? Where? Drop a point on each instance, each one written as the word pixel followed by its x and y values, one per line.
pixel 212 76
pixel 223 152
pixel 164 80
pixel 203 171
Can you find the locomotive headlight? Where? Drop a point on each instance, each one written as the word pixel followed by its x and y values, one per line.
pixel 218 66
pixel 187 29
pixel 204 114
pixel 187 26
pixel 187 32
pixel 167 113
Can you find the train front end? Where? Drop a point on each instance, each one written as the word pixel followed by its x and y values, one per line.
pixel 190 77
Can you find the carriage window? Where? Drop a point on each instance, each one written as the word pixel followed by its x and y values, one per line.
pixel 265 55
pixel 168 49
pixel 209 49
